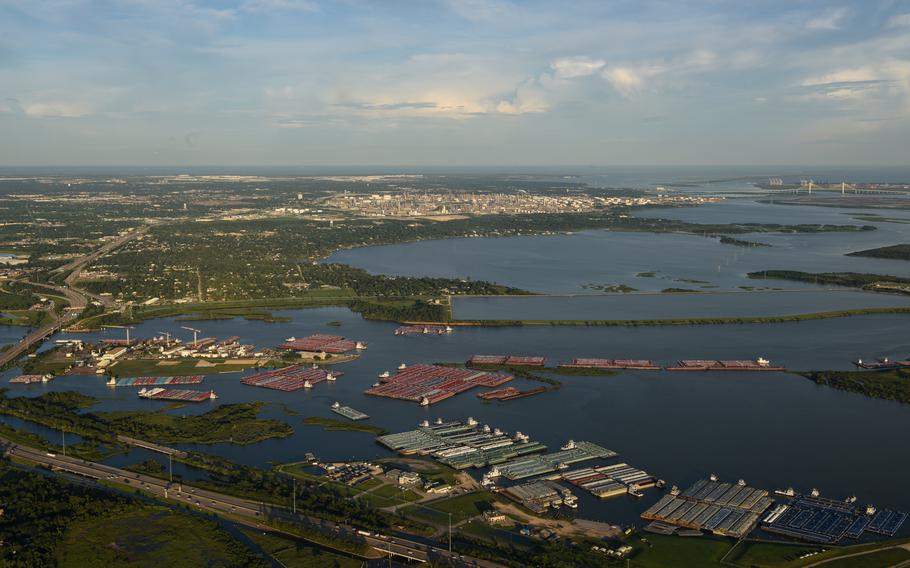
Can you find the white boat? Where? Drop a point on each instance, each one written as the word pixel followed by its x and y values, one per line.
pixel 570 445
pixel 212 395
pixel 424 423
pixel 788 492
pixel 384 375
pixel 112 382
pixel 402 367
pixel 307 385
pixel 336 404
pixel 424 401
pixel 329 377
pixel 815 492
pixel 449 329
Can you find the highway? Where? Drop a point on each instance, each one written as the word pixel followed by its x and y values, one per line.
pixel 245 511
pixel 77 297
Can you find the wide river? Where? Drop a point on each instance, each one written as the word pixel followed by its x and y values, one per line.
pixel 772 429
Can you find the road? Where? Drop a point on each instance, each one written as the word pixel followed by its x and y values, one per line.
pixel 245 511
pixel 77 297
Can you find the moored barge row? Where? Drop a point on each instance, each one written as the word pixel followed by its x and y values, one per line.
pixel 513 360
pixel 180 395
pixel 759 364
pixel 322 343
pixel 883 364
pixel 429 384
pixel 532 466
pixel 509 393
pixel 156 381
pixel 291 378
pixel 610 480
pixel 637 364
pixel 29 379
pixel 423 330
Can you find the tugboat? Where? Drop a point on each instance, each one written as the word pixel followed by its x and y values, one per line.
pixel 402 367
pixel 674 491
pixel 870 510
pixel 713 477
pixel 815 492
pixel 424 423
pixel 471 421
pixel 330 377
pixel 384 375
pixel 307 385
pixel 212 395
pixel 439 421
pixel 570 445
pixel 788 492
pixel 112 382
pixel 424 401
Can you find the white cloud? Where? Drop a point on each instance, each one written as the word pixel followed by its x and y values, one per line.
pixel 829 21
pixel 899 21
pixel 625 80
pixel 56 109
pixel 842 76
pixel 571 67
pixel 279 6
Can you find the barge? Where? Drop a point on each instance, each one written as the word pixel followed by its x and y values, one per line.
pixel 508 360
pixel 509 393
pixel 348 412
pixel 883 364
pixel 29 379
pixel 759 364
pixel 429 384
pixel 322 343
pixel 423 330
pixel 180 395
pixel 156 381
pixel 291 378
pixel 635 364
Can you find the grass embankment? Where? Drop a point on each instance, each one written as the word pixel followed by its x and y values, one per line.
pixel 658 551
pixel 894 252
pixel 25 318
pixel 332 424
pixel 294 554
pixel 236 423
pixel 373 492
pixel 892 384
pixel 187 366
pixel 754 554
pixel 872 282
pixel 694 321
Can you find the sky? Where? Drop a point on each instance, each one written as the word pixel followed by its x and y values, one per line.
pixel 454 82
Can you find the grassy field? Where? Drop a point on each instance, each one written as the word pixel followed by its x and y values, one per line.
pixel 751 554
pixel 658 551
pixel 461 507
pixel 150 537
pixel 293 554
pixel 890 557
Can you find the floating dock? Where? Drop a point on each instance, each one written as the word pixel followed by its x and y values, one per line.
pixel 159 393
pixel 323 343
pixel 291 378
pixel 712 365
pixel 637 364
pixel 158 381
pixel 429 384
pixel 348 412
pixel 726 509
pixel 29 379
pixel 461 444
pixel 573 452
pixel 827 521
pixel 423 330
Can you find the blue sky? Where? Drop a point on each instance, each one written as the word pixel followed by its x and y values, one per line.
pixel 454 82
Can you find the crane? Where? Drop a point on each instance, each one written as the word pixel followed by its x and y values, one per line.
pixel 167 337
pixel 196 333
pixel 126 327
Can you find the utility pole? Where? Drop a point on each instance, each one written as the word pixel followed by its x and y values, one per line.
pixel 170 464
pixel 63 435
pixel 450 533
pixel 294 494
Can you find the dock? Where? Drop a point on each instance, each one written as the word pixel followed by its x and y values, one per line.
pixel 348 412
pixel 725 509
pixel 573 452
pixel 461 445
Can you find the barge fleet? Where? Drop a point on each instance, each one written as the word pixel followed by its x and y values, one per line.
pixel 348 412
pixel 883 364
pixel 509 393
pixel 156 381
pixel 291 378
pixel 636 364
pixel 507 360
pixel 159 393
pixel 29 379
pixel 423 330
pixel 322 343
pixel 759 364
pixel 429 384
